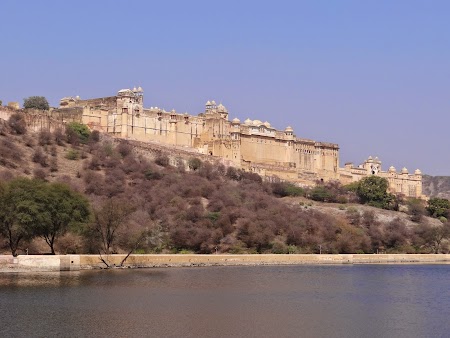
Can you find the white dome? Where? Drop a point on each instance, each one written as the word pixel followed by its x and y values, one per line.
pixel 289 128
pixel 404 170
pixel 236 121
pixel 248 121
pixel 221 108
pixel 267 124
pixel 417 172
pixel 208 103
pixel 392 168
pixel 257 122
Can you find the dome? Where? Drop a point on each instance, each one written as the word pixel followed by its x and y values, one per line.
pixel 392 169
pixel 257 123
pixel 404 170
pixel 140 90
pixel 208 103
pixel 134 89
pixel 222 108
pixel 213 102
pixel 236 121
pixel 248 121
pixel 289 129
pixel 267 124
pixel 417 172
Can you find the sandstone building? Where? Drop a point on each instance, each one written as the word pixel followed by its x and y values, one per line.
pixel 251 145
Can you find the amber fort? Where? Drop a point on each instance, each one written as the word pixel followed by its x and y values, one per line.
pixel 251 145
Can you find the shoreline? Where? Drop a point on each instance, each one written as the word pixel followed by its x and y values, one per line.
pixel 37 263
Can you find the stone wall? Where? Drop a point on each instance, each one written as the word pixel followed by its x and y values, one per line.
pixel 77 262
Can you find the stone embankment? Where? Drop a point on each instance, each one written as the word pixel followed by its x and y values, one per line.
pixel 80 262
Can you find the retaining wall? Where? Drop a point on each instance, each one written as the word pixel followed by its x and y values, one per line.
pixel 77 262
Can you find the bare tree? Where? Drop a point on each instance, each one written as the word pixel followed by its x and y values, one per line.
pixel 109 218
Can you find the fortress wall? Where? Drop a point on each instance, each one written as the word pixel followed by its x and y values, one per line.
pixel 255 148
pixel 5 113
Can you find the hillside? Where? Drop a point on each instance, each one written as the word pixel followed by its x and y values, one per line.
pixel 157 203
pixel 436 186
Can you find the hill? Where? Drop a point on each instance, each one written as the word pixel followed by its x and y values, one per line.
pixel 145 201
pixel 436 186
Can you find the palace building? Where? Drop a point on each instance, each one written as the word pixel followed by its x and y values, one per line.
pixel 251 145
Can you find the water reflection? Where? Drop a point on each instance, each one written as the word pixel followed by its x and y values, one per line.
pixel 307 301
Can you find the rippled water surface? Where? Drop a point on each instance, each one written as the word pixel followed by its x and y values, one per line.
pixel 264 301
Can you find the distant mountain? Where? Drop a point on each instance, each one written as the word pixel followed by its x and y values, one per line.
pixel 436 186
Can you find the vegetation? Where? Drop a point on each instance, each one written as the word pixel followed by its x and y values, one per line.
pixel 372 190
pixel 141 205
pixel 17 123
pixel 36 102
pixel 30 208
pixel 77 133
pixel 438 207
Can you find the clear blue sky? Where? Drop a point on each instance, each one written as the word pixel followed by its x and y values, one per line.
pixel 372 76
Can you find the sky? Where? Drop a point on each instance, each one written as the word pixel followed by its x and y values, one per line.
pixel 372 76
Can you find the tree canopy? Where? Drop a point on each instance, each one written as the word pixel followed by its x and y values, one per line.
pixel 36 102
pixel 438 207
pixel 62 208
pixel 372 190
pixel 30 208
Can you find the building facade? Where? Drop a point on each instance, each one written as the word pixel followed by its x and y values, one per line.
pixel 252 145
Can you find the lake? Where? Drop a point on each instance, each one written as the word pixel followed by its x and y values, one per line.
pixel 254 301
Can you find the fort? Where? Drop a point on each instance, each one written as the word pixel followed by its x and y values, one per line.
pixel 251 145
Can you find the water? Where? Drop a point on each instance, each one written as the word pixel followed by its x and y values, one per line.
pixel 264 301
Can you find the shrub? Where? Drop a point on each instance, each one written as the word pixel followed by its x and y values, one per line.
pixel 321 193
pixel 53 164
pixel 58 136
pixel 17 123
pixel 194 163
pixel 45 138
pixel 40 157
pixel 283 189
pixel 416 209
pixel 77 132
pixel 40 174
pixel 124 149
pixel 72 155
pixel 53 151
pixel 162 160
pixel 95 136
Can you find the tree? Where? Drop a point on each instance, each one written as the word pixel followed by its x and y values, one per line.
pixel 62 208
pixel 36 102
pixel 108 219
pixel 372 190
pixel 434 236
pixel 438 207
pixel 19 210
pixel 416 209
